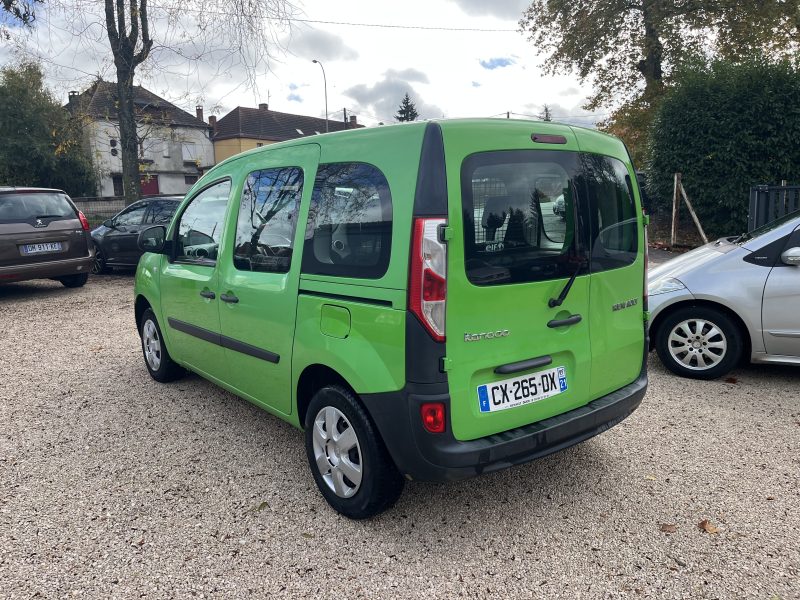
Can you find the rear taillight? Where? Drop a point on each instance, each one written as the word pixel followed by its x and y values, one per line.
pixel 432 414
pixel 427 289
pixel 84 221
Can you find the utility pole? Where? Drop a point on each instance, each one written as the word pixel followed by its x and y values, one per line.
pixel 325 81
pixel 345 117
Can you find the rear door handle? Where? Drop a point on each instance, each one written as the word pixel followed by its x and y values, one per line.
pixel 230 298
pixel 570 320
pixel 208 294
pixel 524 365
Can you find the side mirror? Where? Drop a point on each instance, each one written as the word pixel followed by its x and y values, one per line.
pixel 152 239
pixel 791 257
pixel 109 223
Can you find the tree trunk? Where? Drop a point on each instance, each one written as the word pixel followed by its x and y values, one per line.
pixel 129 139
pixel 650 65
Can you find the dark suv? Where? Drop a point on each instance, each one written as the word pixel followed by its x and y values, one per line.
pixel 115 240
pixel 43 236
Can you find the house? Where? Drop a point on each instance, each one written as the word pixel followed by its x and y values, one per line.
pixel 175 146
pixel 247 128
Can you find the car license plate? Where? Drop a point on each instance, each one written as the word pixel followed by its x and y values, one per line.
pixel 41 248
pixel 519 391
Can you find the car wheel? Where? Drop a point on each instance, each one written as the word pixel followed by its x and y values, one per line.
pixel 699 342
pixel 99 264
pixel 348 459
pixel 74 281
pixel 156 357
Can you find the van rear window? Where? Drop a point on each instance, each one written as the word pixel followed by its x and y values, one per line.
pixel 533 215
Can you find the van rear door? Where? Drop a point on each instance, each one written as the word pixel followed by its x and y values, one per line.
pixel 515 354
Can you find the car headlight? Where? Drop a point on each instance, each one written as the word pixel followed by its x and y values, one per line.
pixel 663 286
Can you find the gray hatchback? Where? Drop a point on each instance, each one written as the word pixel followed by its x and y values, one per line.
pixel 735 297
pixel 43 236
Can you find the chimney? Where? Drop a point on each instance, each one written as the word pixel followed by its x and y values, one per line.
pixel 263 106
pixel 199 111
pixel 353 122
pixel 212 120
pixel 73 98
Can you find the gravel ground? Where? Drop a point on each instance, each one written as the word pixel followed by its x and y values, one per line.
pixel 113 486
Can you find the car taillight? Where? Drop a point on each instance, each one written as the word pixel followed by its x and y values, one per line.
pixel 432 414
pixel 427 288
pixel 84 221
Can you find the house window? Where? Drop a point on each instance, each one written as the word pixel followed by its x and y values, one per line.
pixel 190 179
pixel 259 144
pixel 188 151
pixel 116 181
pixel 165 148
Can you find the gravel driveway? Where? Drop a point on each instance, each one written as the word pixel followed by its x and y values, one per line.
pixel 113 486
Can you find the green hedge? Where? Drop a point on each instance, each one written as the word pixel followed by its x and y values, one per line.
pixel 726 128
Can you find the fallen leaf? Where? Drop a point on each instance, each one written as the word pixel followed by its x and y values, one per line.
pixel 668 528
pixel 731 380
pixel 707 526
pixel 308 535
pixel 770 497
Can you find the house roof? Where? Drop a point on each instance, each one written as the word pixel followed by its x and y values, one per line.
pixel 265 124
pixel 100 102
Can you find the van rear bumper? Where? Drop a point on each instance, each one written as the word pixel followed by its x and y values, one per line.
pixel 440 457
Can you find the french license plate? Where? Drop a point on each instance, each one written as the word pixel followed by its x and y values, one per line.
pixel 40 248
pixel 519 391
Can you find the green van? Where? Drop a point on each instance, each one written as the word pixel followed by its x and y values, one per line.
pixel 428 301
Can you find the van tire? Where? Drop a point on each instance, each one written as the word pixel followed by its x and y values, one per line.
pixel 154 350
pixel 381 483
pixel 726 347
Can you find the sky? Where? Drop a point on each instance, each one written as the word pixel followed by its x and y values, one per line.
pixel 455 58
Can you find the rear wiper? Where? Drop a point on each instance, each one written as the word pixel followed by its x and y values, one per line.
pixel 553 302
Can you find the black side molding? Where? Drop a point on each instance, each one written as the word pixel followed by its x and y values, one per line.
pixel 524 365
pixel 223 340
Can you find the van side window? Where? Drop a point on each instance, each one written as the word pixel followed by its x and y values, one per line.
pixel 200 226
pixel 349 230
pixel 613 218
pixel 267 220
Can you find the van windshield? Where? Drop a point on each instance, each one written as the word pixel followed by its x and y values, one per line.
pixel 532 215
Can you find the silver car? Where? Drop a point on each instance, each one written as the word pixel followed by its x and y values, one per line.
pixel 733 298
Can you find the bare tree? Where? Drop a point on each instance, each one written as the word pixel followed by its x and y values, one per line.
pixel 174 39
pixel 124 40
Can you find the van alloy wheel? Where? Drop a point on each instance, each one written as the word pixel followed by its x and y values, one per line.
pixel 337 452
pixel 151 343
pixel 156 356
pixel 346 455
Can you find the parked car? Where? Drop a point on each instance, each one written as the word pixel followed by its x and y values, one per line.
pixel 559 208
pixel 43 236
pixel 397 293
pixel 115 240
pixel 733 298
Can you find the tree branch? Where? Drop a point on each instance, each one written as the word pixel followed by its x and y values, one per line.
pixel 147 42
pixel 134 34
pixel 111 26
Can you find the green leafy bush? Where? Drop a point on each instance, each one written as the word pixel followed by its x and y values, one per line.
pixel 726 127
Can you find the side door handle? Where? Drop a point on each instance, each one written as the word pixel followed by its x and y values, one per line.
pixel 229 298
pixel 208 294
pixel 570 320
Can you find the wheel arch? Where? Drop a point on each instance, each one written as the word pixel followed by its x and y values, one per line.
pixel 311 379
pixel 140 305
pixel 747 342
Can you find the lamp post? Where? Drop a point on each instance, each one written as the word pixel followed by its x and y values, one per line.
pixel 325 81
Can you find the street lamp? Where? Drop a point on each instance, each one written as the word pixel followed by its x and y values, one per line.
pixel 325 81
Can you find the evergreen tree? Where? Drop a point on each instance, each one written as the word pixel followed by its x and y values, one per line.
pixel 546 114
pixel 42 146
pixel 407 110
